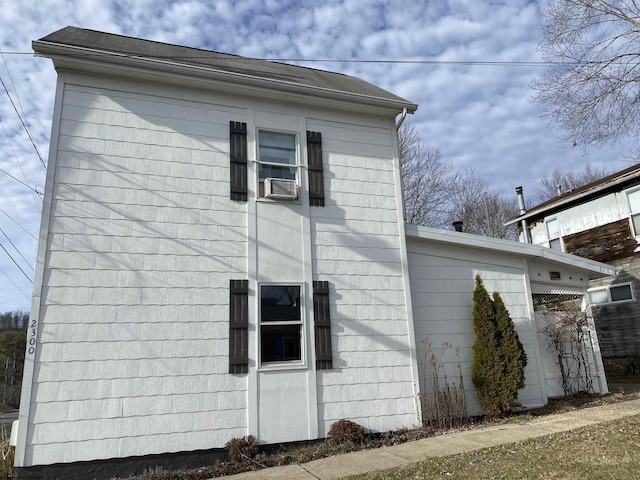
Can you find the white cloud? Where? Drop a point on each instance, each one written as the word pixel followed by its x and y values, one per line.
pixel 476 115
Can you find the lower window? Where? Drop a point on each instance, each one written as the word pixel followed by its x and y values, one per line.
pixel 611 294
pixel 280 324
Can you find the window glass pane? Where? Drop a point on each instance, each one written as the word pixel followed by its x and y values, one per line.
pixel 273 171
pixel 635 219
pixel 634 201
pixel 277 148
pixel 280 343
pixel 555 244
pixel 552 228
pixel 620 292
pixel 599 296
pixel 280 303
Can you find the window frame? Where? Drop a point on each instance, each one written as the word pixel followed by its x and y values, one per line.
pixel 632 214
pixel 296 167
pixel 608 288
pixel 283 364
pixel 557 238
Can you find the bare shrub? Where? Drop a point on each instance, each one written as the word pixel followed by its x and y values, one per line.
pixel 345 431
pixel 241 449
pixel 444 404
pixel 7 471
pixel 569 339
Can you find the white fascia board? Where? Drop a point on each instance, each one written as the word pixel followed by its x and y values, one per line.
pixel 536 212
pixel 95 60
pixel 593 268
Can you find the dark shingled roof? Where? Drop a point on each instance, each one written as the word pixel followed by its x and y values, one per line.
pixel 147 49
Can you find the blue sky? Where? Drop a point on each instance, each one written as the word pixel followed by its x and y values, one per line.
pixel 479 116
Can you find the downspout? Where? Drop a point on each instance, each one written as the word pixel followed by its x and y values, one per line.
pixel 526 234
pixel 404 115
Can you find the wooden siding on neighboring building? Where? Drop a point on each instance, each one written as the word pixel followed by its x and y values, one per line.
pixel 618 324
pixel 132 355
pixel 604 243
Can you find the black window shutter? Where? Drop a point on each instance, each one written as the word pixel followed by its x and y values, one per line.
pixel 316 183
pixel 238 326
pixel 238 170
pixel 322 325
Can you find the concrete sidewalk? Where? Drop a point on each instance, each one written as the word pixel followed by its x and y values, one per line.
pixel 449 444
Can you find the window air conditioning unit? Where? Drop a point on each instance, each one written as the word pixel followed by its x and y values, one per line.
pixel 280 188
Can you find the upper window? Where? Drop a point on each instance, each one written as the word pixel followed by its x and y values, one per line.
pixel 280 324
pixel 553 230
pixel 277 155
pixel 634 207
pixel 611 294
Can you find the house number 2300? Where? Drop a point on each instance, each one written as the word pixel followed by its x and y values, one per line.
pixel 32 337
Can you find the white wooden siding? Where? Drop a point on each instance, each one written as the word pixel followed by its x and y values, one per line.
pixel 586 216
pixel 356 246
pixel 442 285
pixel 133 341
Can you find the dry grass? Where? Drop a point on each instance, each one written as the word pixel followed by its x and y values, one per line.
pixel 308 451
pixel 605 451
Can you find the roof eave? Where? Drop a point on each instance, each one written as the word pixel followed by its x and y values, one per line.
pixel 536 211
pixel 61 54
pixel 594 269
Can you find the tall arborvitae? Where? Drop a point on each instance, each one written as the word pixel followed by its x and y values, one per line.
pixel 485 368
pixel 513 358
pixel 499 359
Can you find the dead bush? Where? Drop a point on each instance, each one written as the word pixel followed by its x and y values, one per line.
pixel 345 431
pixel 241 449
pixel 7 471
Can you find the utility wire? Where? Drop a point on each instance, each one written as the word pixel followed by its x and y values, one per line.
pixel 26 231
pixel 13 85
pixel 13 245
pixel 19 181
pixel 16 263
pixel 14 284
pixel 525 63
pixel 26 129
pixel 35 199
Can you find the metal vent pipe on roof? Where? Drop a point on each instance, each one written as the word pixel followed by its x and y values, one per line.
pixel 526 233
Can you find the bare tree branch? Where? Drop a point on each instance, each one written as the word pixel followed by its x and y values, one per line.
pixel 592 91
pixel 482 211
pixel 427 181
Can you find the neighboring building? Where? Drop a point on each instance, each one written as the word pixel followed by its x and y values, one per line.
pixel 600 221
pixel 222 253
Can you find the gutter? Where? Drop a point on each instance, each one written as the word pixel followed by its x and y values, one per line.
pixel 508 247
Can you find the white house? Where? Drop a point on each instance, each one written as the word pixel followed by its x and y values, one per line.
pixel 222 253
pixel 600 221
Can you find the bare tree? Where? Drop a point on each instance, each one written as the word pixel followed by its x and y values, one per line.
pixel 427 181
pixel 560 182
pixel 481 211
pixel 591 88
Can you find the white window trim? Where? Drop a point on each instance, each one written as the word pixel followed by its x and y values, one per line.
pixel 292 364
pixel 631 212
pixel 608 290
pixel 558 237
pixel 296 140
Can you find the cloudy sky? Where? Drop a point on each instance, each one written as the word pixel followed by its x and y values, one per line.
pixel 462 69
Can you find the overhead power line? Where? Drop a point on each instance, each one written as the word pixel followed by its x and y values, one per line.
pixel 26 129
pixel 508 63
pixel 19 181
pixel 14 284
pixel 16 263
pixel 16 248
pixel 24 229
